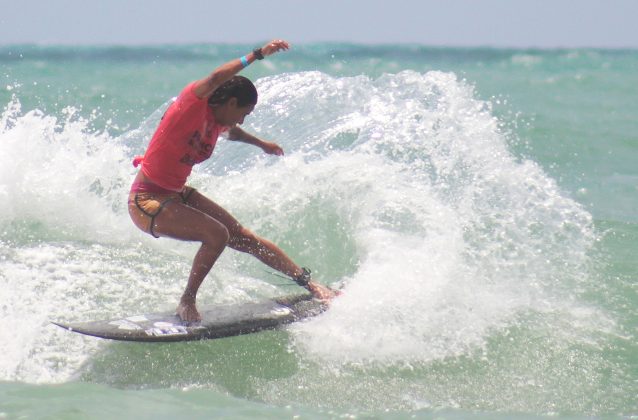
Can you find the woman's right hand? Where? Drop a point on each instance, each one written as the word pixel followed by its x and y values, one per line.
pixel 274 46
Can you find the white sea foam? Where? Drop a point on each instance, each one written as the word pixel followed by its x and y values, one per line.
pixel 66 244
pixel 454 235
pixel 55 171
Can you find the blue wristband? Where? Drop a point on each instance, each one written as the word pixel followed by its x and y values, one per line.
pixel 244 61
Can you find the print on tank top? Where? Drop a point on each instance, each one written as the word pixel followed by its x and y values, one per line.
pixel 201 150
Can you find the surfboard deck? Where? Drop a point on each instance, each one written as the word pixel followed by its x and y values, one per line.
pixel 218 321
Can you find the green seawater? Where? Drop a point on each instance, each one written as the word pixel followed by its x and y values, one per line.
pixel 476 205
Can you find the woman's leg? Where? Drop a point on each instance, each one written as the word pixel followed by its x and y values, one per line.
pixel 179 221
pixel 242 239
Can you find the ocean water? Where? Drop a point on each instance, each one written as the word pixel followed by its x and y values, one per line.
pixel 476 206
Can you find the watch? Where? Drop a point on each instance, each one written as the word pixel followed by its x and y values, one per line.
pixel 258 54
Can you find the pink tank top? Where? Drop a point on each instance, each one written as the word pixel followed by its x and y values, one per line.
pixel 186 135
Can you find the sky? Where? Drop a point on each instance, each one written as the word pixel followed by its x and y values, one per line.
pixel 494 23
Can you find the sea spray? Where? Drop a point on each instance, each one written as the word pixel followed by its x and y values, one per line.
pixel 67 248
pixel 56 172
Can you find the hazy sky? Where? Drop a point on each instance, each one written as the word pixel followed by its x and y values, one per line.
pixel 500 23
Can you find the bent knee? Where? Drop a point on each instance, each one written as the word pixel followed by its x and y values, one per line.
pixel 216 235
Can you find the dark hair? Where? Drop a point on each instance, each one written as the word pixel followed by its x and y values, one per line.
pixel 237 87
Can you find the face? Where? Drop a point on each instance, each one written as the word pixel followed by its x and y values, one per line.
pixel 230 114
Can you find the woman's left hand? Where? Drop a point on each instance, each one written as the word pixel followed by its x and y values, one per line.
pixel 272 148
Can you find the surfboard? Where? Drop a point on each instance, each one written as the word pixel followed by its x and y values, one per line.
pixel 218 321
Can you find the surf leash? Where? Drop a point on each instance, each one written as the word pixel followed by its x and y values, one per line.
pixel 302 280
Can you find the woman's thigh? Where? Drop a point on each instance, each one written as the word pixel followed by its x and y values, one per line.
pixel 238 234
pixel 181 221
pixel 200 202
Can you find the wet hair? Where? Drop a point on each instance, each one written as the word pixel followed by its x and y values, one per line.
pixel 238 87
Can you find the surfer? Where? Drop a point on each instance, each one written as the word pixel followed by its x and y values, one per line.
pixel 161 204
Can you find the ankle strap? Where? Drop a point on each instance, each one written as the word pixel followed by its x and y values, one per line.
pixel 304 278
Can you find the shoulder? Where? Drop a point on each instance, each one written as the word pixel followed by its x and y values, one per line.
pixel 189 94
pixel 188 101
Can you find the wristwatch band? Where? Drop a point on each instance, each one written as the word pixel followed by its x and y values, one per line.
pixel 258 54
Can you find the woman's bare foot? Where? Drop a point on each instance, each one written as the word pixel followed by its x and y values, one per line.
pixel 321 292
pixel 187 311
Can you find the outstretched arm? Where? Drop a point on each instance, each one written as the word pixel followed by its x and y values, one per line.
pixel 206 86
